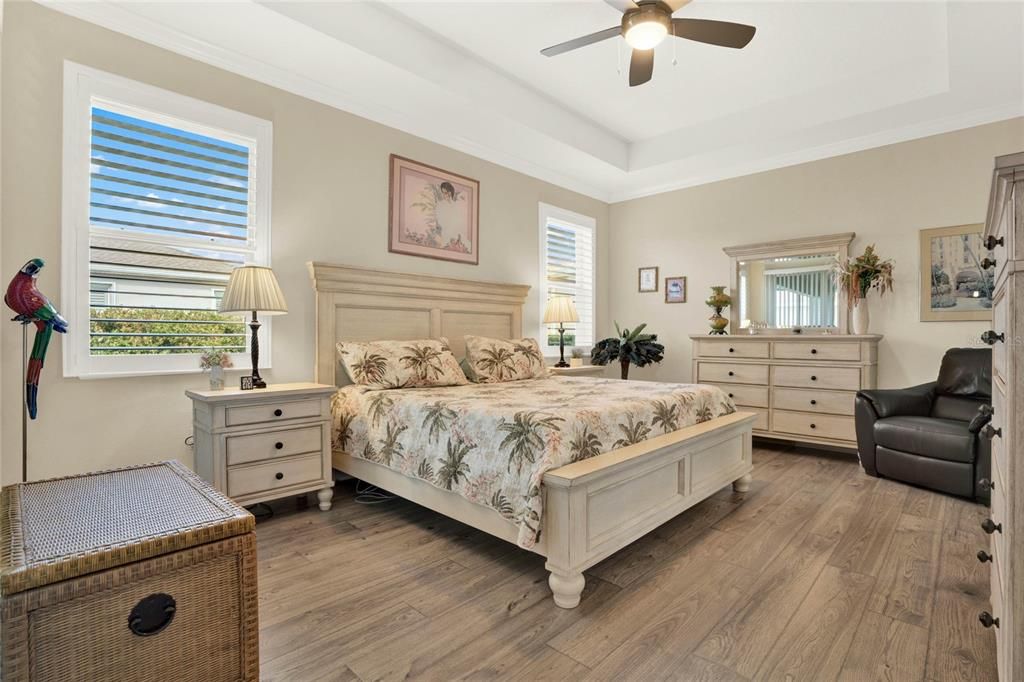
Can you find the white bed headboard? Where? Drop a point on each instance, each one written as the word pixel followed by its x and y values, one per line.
pixel 365 304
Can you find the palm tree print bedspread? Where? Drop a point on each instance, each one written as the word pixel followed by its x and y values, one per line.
pixel 492 443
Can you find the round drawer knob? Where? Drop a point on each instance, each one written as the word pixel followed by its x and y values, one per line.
pixel 990 526
pixel 814 402
pixel 278 412
pixel 731 373
pixel 984 556
pixel 990 337
pixel 278 445
pixel 814 378
pixel 991 432
pixel 732 350
pixel 987 620
pixel 279 475
pixel 814 351
pixel 991 242
pixel 814 426
pixel 986 485
pixel 730 395
pixel 987 263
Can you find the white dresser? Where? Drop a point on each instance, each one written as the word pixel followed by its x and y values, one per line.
pixel 801 386
pixel 1004 235
pixel 265 443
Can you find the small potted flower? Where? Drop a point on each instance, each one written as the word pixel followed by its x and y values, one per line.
pixel 216 361
pixel 577 358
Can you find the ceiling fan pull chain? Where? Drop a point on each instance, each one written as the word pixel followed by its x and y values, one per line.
pixel 674 62
pixel 618 57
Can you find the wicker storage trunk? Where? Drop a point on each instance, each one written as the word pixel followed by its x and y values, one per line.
pixel 144 573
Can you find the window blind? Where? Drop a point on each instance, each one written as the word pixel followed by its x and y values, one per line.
pixel 800 299
pixel 170 216
pixel 569 271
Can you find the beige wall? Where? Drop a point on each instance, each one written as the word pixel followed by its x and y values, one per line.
pixel 885 195
pixel 329 203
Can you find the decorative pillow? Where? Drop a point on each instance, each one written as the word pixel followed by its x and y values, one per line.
pixel 493 361
pixel 401 364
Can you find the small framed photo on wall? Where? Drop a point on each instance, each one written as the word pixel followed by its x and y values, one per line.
pixel 647 280
pixel 675 290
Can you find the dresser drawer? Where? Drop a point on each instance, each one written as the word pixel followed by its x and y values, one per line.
pixel 271 412
pixel 747 396
pixel 281 443
pixel 999 422
pixel 282 473
pixel 997 512
pixel 761 423
pixel 811 400
pixel 817 425
pixel 716 372
pixel 845 378
pixel 811 350
pixel 1000 324
pixel 732 349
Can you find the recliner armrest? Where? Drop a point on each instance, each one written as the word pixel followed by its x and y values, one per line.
pixel 915 401
pixel 984 416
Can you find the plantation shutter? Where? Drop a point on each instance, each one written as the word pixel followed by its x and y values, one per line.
pixel 569 271
pixel 170 216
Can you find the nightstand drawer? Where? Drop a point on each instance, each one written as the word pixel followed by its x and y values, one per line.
pixel 258 478
pixel 282 443
pixel 271 412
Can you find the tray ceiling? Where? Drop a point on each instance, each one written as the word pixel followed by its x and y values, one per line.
pixel 819 78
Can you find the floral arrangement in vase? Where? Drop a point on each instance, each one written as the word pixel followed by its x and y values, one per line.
pixel 856 277
pixel 216 361
pixel 719 300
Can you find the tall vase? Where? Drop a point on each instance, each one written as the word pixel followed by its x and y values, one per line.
pixel 216 378
pixel 861 316
pixel 719 301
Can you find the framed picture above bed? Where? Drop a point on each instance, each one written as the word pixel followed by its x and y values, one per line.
pixel 433 213
pixel 956 275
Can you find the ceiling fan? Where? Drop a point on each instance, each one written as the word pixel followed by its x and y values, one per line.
pixel 646 23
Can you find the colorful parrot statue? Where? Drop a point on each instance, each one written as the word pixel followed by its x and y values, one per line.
pixel 32 306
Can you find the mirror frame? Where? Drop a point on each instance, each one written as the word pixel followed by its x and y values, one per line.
pixel 837 244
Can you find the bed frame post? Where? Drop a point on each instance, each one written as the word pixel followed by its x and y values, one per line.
pixel 564 526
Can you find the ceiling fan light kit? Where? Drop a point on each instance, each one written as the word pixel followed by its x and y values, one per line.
pixel 648 22
pixel 645 27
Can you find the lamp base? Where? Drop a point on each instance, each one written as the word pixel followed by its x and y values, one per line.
pixel 562 363
pixel 258 382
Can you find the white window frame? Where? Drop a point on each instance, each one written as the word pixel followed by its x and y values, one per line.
pixel 84 88
pixel 548 212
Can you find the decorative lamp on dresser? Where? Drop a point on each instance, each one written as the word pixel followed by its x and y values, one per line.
pixel 267 443
pixel 801 371
pixel 1004 238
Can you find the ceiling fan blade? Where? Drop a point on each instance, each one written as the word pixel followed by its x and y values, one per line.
pixel 641 67
pixel 723 33
pixel 623 5
pixel 676 4
pixel 582 41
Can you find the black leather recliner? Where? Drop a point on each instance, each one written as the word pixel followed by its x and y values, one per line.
pixel 931 435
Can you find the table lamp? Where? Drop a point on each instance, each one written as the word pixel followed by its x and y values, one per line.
pixel 561 309
pixel 253 288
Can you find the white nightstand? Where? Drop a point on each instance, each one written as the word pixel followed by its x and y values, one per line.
pixel 581 371
pixel 265 443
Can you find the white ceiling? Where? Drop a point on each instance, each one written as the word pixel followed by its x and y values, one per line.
pixel 819 78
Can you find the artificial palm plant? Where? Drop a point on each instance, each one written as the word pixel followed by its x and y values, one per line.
pixel 629 348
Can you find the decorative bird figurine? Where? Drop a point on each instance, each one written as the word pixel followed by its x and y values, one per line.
pixel 32 306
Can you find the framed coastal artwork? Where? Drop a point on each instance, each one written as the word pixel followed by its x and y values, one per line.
pixel 955 282
pixel 647 279
pixel 675 290
pixel 433 213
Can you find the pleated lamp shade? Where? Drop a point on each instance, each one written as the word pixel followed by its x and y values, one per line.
pixel 560 309
pixel 253 287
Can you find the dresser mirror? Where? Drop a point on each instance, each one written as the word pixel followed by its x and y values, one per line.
pixel 786 285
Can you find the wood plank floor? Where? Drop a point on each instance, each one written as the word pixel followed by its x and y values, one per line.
pixel 818 573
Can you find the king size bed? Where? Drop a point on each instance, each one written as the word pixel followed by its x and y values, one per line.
pixel 573 469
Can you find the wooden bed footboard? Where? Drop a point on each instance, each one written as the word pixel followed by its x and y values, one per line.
pixel 595 507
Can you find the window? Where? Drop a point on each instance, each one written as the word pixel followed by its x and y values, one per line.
pixel 163 197
pixel 568 246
